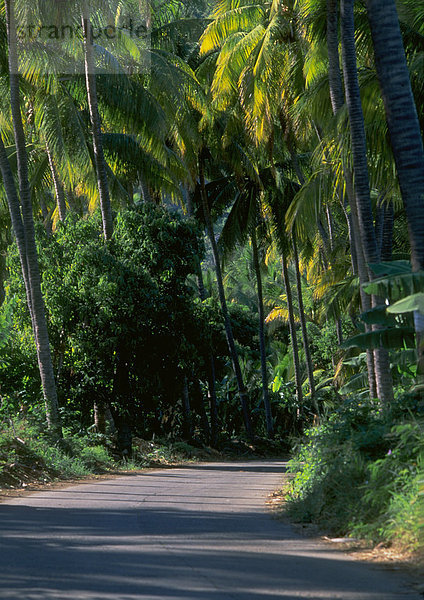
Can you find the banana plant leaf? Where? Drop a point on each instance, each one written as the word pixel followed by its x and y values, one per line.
pixel 412 303
pixel 390 338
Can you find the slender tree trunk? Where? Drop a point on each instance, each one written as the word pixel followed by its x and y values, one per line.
pixel 293 335
pixel 188 421
pixel 227 321
pixel 387 238
pixel 213 404
pixel 352 241
pixel 401 116
pixel 16 218
pixel 100 416
pixel 99 159
pixel 58 187
pixel 45 213
pixel 357 129
pixel 199 405
pixel 210 366
pixel 405 135
pixel 334 73
pixel 302 318
pixel 34 295
pixel 361 186
pixel 337 101
pixel 262 344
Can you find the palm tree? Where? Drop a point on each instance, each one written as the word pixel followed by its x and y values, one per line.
pixel 262 345
pixel 293 335
pixel 58 186
pixel 245 221
pixel 23 223
pixel 404 130
pixel 227 321
pixel 99 159
pixel 308 358
pixel 210 367
pixel 361 183
pixel 254 74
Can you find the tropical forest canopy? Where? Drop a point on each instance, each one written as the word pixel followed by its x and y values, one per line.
pixel 212 214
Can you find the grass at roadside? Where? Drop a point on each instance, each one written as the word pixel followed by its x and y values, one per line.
pixel 28 457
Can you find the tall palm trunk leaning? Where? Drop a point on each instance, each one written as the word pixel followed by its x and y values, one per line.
pixel 23 224
pixel 262 344
pixel 99 159
pixel 361 182
pixel 337 101
pixel 404 131
pixel 227 321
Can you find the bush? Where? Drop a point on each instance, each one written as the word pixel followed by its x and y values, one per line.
pixel 360 474
pixel 27 455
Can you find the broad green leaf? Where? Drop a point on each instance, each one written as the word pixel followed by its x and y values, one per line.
pixel 408 304
pixel 395 267
pixel 390 338
pixel 378 316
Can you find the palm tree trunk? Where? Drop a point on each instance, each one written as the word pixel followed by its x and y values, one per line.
pixel 262 345
pixel 210 367
pixel 45 213
pixel 357 129
pixel 227 321
pixel 58 187
pixel 361 185
pixel 337 100
pixel 27 239
pixel 293 336
pixel 16 218
pixel 387 238
pixel 405 133
pixel 302 318
pixel 99 159
pixel 334 73
pixel 187 417
pixel 401 116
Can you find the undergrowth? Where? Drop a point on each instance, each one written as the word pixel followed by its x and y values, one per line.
pixel 361 474
pixel 27 454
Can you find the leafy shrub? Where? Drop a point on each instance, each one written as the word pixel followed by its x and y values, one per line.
pixel 95 458
pixel 360 474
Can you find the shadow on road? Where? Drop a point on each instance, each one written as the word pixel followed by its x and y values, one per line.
pixel 161 554
pixel 253 467
pixel 185 538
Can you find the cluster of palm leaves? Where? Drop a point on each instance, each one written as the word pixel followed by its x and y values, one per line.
pixel 287 122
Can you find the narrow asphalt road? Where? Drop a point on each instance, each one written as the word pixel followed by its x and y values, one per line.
pixel 195 533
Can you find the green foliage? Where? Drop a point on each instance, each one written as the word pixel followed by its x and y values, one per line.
pixel 360 473
pixel 27 455
pixel 108 303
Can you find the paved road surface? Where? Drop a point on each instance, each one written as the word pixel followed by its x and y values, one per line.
pixel 193 533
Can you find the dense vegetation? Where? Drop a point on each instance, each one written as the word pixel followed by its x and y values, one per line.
pixel 213 228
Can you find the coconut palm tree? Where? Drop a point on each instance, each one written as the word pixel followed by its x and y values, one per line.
pixel 404 130
pixel 23 223
pixel 221 292
pixel 361 178
pixel 245 221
